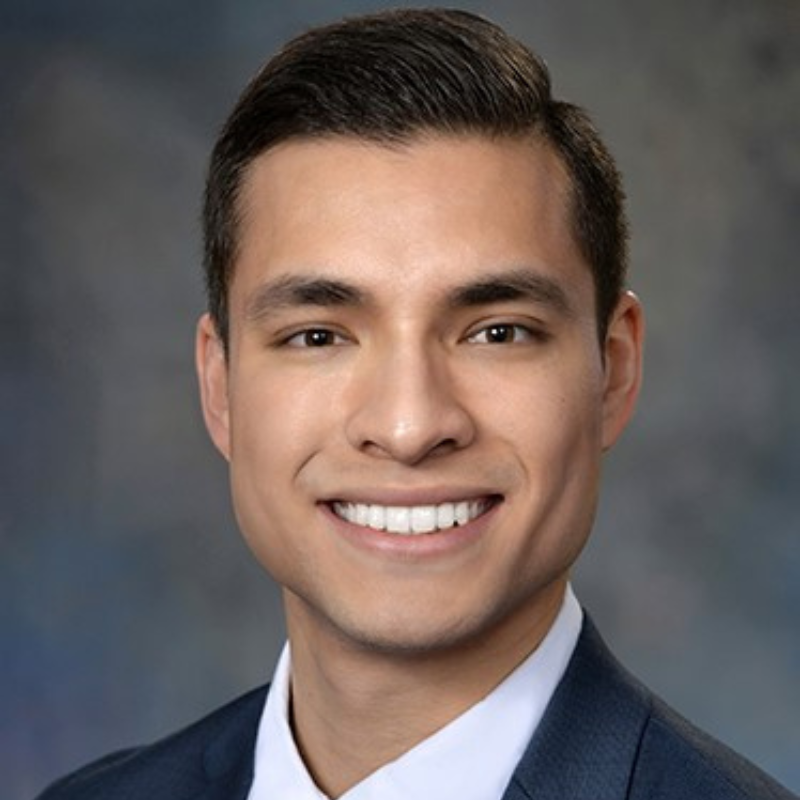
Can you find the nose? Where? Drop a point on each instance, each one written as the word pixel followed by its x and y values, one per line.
pixel 406 407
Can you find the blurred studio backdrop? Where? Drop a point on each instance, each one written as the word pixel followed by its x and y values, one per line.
pixel 129 604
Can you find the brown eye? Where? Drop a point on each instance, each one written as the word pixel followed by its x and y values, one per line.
pixel 501 333
pixel 317 338
pixel 314 337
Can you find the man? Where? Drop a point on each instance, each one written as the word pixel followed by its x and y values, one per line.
pixel 418 347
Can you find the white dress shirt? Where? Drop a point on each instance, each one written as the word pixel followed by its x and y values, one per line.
pixel 471 758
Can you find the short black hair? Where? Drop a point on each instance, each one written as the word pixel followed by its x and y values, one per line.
pixel 390 77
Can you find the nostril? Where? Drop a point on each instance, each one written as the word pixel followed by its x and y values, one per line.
pixel 444 447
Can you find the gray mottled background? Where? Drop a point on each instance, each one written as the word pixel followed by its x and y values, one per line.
pixel 129 605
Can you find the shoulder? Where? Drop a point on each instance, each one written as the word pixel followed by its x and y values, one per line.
pixel 605 734
pixel 218 748
pixel 677 760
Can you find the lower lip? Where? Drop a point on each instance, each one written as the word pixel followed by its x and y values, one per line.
pixel 413 546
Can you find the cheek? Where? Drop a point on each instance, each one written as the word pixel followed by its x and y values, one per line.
pixel 276 430
pixel 276 424
pixel 554 432
pixel 548 417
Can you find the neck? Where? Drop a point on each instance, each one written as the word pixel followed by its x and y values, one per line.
pixel 355 709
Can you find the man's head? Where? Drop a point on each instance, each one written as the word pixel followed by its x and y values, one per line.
pixel 390 78
pixel 402 365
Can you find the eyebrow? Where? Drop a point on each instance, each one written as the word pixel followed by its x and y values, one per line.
pixel 292 291
pixel 515 284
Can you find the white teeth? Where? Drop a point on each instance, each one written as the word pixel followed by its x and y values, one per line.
pixel 398 519
pixel 423 519
pixel 445 515
pixel 411 520
pixel 376 517
pixel 361 515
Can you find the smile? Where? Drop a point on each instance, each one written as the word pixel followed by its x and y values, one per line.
pixel 412 520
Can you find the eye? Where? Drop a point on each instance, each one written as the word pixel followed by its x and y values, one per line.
pixel 502 333
pixel 314 337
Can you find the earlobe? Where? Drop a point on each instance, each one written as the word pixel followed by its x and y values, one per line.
pixel 623 366
pixel 212 372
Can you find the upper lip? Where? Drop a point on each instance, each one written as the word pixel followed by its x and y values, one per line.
pixel 410 497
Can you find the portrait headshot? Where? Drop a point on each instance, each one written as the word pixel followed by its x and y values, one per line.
pixel 400 401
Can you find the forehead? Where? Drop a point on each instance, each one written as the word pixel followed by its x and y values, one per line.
pixel 434 211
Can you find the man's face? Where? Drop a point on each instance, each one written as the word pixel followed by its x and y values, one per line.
pixel 415 402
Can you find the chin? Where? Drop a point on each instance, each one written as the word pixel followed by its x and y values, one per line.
pixel 411 642
pixel 417 634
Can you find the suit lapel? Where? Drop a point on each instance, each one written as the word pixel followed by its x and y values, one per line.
pixel 228 760
pixel 584 748
pixel 586 744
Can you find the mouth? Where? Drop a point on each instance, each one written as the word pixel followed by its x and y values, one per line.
pixel 414 520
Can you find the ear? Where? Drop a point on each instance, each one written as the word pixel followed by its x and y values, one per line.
pixel 623 366
pixel 212 371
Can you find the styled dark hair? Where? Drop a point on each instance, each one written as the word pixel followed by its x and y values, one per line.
pixel 392 76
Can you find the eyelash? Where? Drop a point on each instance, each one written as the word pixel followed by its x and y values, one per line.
pixel 528 334
pixel 321 337
pixel 304 339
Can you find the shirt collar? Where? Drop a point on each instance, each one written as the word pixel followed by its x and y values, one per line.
pixel 471 758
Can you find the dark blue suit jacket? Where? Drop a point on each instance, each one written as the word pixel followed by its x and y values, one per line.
pixel 603 737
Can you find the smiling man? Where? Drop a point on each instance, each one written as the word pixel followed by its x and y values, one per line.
pixel 418 348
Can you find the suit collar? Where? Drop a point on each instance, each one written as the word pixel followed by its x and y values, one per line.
pixel 585 747
pixel 228 760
